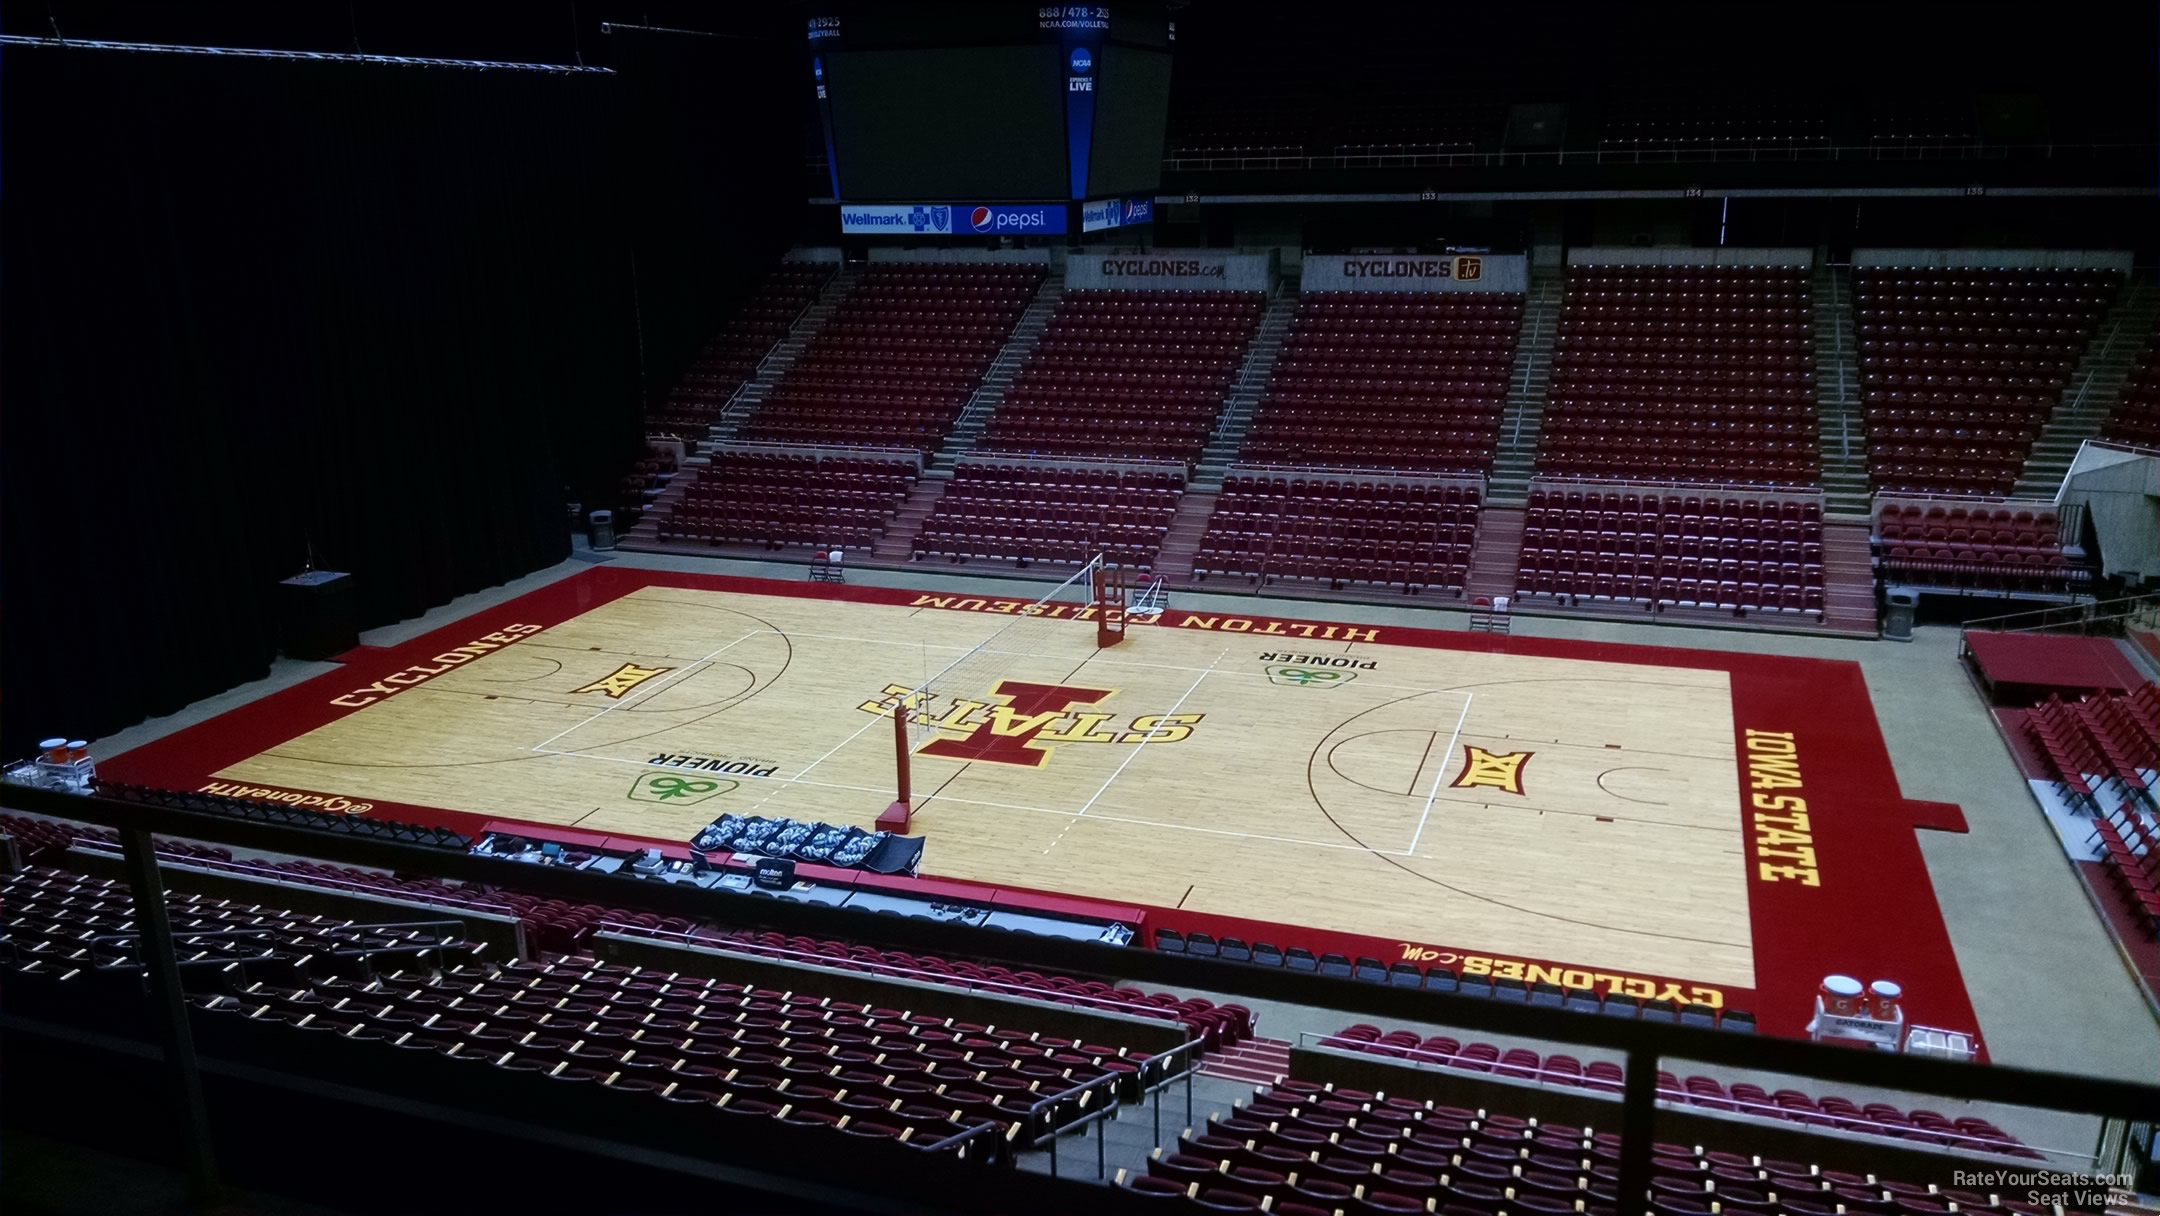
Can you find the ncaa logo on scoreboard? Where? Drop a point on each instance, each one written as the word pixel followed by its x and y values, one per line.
pixel 1081 60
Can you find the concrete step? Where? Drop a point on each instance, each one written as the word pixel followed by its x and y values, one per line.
pixel 1173 562
pixel 897 542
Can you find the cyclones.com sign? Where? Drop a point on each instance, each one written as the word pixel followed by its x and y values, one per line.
pixel 1161 268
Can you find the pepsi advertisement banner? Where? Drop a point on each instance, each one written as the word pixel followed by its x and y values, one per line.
pixel 1025 219
pixel 954 219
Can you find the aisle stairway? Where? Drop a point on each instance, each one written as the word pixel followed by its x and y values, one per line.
pixel 1848 579
pixel 898 542
pixel 2094 387
pixel 999 379
pixel 1259 1061
pixel 1528 383
pixel 1498 556
pixel 1839 413
pixel 783 355
pixel 1174 562
pixel 1246 391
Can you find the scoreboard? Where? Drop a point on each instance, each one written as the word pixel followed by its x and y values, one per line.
pixel 1010 103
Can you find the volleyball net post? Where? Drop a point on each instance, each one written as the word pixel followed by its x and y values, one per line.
pixel 897 815
pixel 1113 595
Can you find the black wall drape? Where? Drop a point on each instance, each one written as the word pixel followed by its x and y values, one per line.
pixel 252 307
pixel 712 166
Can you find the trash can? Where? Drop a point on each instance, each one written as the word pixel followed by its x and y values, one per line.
pixel 603 529
pixel 1898 619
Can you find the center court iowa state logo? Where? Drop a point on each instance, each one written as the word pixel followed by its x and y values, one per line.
pixel 1030 717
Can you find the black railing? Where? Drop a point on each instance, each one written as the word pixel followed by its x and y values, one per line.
pixel 2108 618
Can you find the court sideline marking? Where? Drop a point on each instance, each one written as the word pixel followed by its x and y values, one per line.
pixel 1137 749
pixel 1447 757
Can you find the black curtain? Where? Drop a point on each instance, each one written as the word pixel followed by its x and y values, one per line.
pixel 253 309
pixel 712 173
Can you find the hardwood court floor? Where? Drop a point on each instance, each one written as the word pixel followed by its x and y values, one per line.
pixel 1541 807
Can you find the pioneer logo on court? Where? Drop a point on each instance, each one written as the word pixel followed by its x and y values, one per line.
pixel 1030 717
pixel 1290 675
pixel 1491 770
pixel 622 680
pixel 681 791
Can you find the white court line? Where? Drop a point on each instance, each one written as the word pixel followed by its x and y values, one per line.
pixel 1096 662
pixel 1135 755
pixel 1032 810
pixel 644 692
pixel 799 777
pixel 1446 757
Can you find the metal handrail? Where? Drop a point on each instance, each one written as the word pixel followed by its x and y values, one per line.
pixel 1359 476
pixel 1031 460
pixel 950 1143
pixel 1585 481
pixel 2117 445
pixel 334 882
pixel 820 451
pixel 2092 361
pixel 2088 614
pixel 1057 1131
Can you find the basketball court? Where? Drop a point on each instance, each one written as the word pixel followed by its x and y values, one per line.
pixel 1723 825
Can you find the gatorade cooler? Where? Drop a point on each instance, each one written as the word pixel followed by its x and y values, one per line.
pixel 1842 997
pixel 1884 998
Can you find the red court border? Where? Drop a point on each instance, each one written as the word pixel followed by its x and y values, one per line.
pixel 1873 914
